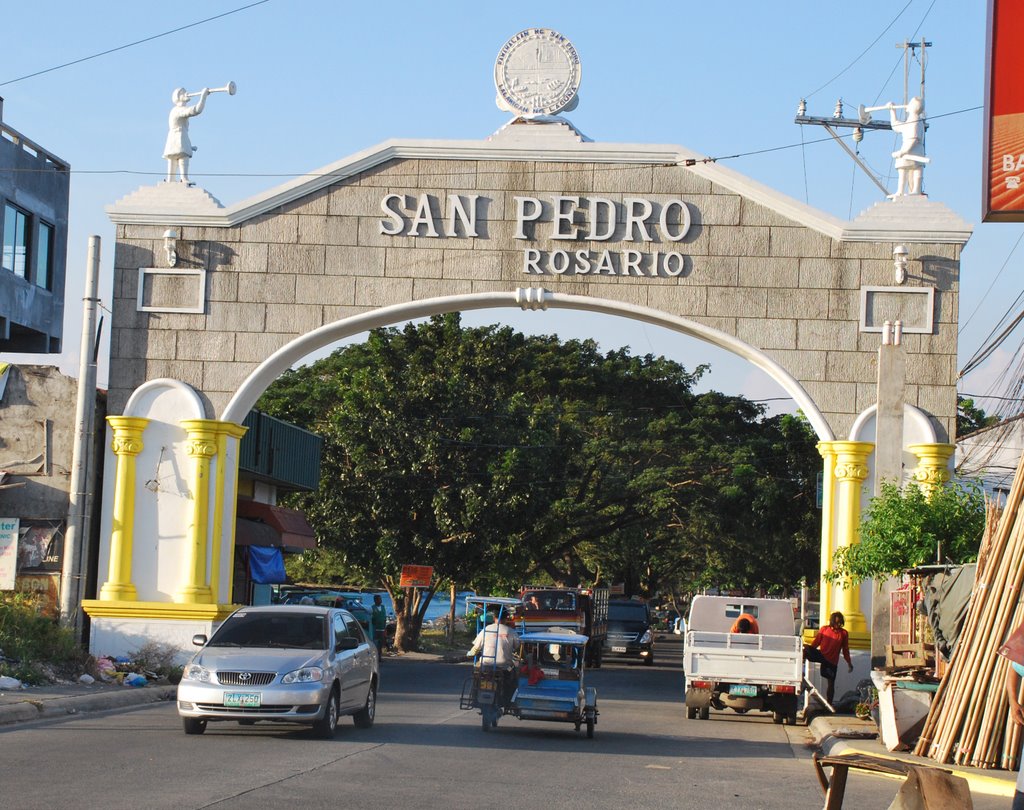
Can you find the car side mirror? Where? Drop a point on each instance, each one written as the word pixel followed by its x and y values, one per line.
pixel 347 643
pixel 199 639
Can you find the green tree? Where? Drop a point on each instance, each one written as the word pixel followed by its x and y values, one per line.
pixel 906 528
pixel 969 417
pixel 501 459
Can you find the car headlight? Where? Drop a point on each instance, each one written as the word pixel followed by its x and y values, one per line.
pixel 197 672
pixel 304 675
pixel 646 637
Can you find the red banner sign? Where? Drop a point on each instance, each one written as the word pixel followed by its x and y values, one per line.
pixel 1003 172
pixel 416 576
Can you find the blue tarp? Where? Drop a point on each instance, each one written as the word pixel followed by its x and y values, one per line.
pixel 266 565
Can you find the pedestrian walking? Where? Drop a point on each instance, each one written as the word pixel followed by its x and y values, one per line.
pixel 379 624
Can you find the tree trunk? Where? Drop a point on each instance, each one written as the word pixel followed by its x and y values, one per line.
pixel 410 607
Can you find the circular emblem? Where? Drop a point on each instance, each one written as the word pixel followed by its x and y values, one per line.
pixel 245 676
pixel 537 72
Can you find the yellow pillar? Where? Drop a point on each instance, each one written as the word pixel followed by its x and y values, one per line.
pixel 224 512
pixel 851 471
pixel 932 471
pixel 201 447
pixel 828 512
pixel 126 444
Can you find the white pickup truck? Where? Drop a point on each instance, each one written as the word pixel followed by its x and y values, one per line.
pixel 738 671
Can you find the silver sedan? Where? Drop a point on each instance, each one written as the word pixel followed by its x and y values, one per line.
pixel 282 663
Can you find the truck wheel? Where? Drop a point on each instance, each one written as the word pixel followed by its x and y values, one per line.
pixel 777 718
pixel 691 712
pixel 705 712
pixel 791 719
pixel 595 659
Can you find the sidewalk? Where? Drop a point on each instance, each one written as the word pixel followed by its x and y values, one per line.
pixel 836 735
pixel 38 702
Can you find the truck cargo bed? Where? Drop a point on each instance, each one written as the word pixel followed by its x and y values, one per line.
pixel 743 658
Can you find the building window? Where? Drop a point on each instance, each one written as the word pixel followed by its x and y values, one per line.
pixel 15 249
pixel 44 257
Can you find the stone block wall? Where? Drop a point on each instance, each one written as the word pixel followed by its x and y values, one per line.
pixel 776 284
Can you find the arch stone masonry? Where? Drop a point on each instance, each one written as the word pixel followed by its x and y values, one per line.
pixel 409 227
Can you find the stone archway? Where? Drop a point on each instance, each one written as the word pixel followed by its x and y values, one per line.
pixel 407 229
pixel 531 298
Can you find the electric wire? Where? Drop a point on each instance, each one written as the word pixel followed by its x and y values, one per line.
pixel 868 48
pixel 1006 261
pixel 133 44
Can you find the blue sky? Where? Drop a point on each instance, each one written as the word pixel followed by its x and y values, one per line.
pixel 319 80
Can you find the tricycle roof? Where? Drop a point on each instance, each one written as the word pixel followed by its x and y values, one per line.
pixel 504 601
pixel 575 639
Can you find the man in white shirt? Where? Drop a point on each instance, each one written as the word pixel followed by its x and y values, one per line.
pixel 497 644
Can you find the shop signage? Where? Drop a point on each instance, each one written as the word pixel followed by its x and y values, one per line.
pixel 1003 171
pixel 416 576
pixel 8 552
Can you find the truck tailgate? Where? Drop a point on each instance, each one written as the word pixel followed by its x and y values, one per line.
pixel 738 658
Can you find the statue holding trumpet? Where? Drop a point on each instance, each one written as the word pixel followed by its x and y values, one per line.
pixel 909 158
pixel 178 149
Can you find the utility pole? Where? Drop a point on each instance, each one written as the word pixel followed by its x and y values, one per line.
pixel 892 390
pixel 85 411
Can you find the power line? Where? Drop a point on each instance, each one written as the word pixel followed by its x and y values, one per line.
pixel 990 286
pixel 862 53
pixel 133 44
pixel 539 171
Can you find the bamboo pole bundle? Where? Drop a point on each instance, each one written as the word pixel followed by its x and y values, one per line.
pixel 960 722
pixel 992 629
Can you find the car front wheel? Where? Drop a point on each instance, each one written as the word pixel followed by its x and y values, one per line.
pixel 325 727
pixel 193 725
pixel 364 717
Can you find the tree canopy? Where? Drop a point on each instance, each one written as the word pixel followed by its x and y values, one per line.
pixel 500 459
pixel 905 528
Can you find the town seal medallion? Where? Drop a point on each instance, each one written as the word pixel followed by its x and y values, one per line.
pixel 537 73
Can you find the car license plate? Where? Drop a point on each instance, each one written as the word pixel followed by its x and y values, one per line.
pixel 618 649
pixel 242 700
pixel 743 690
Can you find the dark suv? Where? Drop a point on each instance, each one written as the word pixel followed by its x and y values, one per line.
pixel 629 631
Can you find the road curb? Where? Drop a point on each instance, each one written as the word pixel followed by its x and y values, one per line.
pixel 831 743
pixel 29 709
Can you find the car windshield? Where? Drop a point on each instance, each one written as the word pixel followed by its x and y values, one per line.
pixel 627 612
pixel 549 600
pixel 297 630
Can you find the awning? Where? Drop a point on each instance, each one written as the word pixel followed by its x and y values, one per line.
pixel 260 524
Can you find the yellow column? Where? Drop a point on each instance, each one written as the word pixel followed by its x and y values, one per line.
pixel 201 447
pixel 126 444
pixel 224 512
pixel 828 512
pixel 851 470
pixel 932 471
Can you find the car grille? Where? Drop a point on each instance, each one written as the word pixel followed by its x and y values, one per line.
pixel 217 708
pixel 245 678
pixel 623 637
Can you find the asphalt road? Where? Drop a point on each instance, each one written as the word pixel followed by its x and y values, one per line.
pixel 424 752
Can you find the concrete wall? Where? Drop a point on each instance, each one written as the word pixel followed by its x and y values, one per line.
pixel 37 420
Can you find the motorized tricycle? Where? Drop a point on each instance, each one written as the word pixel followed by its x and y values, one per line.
pixel 545 684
